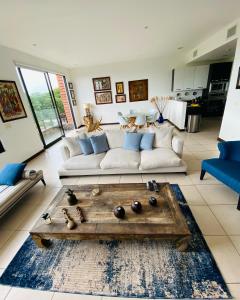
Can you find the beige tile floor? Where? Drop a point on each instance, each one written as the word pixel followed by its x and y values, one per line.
pixel 213 205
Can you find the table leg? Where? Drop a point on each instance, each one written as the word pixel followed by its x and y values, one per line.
pixel 182 243
pixel 41 243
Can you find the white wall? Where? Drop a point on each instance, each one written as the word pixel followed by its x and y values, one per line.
pixel 230 127
pixel 157 71
pixel 20 138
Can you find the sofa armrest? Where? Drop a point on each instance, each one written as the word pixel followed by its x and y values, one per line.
pixel 177 145
pixel 64 152
pixel 229 150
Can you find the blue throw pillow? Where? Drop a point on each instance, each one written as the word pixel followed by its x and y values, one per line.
pixel 11 173
pixel 99 143
pixel 147 141
pixel 86 146
pixel 132 141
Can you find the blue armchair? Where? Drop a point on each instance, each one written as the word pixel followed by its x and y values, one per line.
pixel 226 168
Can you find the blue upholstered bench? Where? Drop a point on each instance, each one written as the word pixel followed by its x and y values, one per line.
pixel 226 168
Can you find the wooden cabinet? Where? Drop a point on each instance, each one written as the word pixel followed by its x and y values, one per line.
pixel 201 77
pixel 189 78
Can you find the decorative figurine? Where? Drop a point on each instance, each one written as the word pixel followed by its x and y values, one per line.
pixel 81 215
pixel 149 185
pixel 119 212
pixel 152 201
pixel 95 192
pixel 72 199
pixel 136 206
pixel 47 219
pixel 70 223
pixel 155 186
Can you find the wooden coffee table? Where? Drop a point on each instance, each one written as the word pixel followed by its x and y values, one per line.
pixel 165 221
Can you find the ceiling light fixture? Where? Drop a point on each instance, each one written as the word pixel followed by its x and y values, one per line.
pixel 34 44
pixel 145 27
pixel 180 48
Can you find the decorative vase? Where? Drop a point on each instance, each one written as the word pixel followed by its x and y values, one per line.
pixel 119 212
pixel 72 199
pixel 160 120
pixel 136 206
pixel 152 201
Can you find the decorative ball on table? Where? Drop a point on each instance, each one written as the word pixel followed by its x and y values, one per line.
pixel 119 212
pixel 152 201
pixel 136 206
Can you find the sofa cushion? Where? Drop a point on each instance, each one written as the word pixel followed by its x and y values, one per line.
pixel 115 138
pixel 120 158
pixel 158 158
pixel 72 143
pixel 147 141
pixel 86 146
pixel 11 173
pixel 163 137
pixel 99 143
pixel 132 141
pixel 84 162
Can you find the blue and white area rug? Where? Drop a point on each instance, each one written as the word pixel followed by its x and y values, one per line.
pixel 144 269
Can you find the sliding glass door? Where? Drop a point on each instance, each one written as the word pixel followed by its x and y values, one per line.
pixel 44 105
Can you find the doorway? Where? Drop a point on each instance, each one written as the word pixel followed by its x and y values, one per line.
pixel 48 98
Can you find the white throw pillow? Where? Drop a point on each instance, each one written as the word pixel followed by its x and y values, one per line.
pixel 72 143
pixel 115 138
pixel 163 137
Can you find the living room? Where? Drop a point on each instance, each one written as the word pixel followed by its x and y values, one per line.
pixel 119 149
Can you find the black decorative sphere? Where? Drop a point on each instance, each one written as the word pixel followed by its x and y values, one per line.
pixel 152 201
pixel 136 206
pixel 119 212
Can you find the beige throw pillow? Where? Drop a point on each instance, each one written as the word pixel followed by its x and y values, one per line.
pixel 72 143
pixel 163 137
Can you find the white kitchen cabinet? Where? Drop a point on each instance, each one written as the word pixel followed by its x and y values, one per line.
pixel 188 79
pixel 191 78
pixel 201 77
pixel 178 79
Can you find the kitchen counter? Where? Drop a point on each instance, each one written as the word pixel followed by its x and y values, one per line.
pixel 175 112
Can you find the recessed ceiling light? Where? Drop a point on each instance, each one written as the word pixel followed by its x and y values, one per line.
pixel 34 44
pixel 180 48
pixel 145 27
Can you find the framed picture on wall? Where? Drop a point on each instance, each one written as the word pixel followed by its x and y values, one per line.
pixel 11 106
pixel 102 83
pixel 70 85
pixel 138 90
pixel 238 80
pixel 119 88
pixel 120 98
pixel 103 97
pixel 72 94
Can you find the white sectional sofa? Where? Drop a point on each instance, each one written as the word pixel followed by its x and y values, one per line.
pixel 166 156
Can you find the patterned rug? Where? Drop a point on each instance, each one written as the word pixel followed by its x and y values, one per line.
pixel 144 269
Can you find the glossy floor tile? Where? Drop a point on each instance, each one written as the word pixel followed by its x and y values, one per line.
pixel 192 195
pixel 23 294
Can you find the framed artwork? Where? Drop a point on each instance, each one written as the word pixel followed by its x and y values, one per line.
pixel 70 85
pixel 11 106
pixel 138 90
pixel 119 88
pixel 238 80
pixel 72 94
pixel 103 97
pixel 102 84
pixel 120 98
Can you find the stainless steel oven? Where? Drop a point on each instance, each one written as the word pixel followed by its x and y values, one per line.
pixel 218 87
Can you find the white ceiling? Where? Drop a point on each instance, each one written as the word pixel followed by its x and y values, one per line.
pixel 77 33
